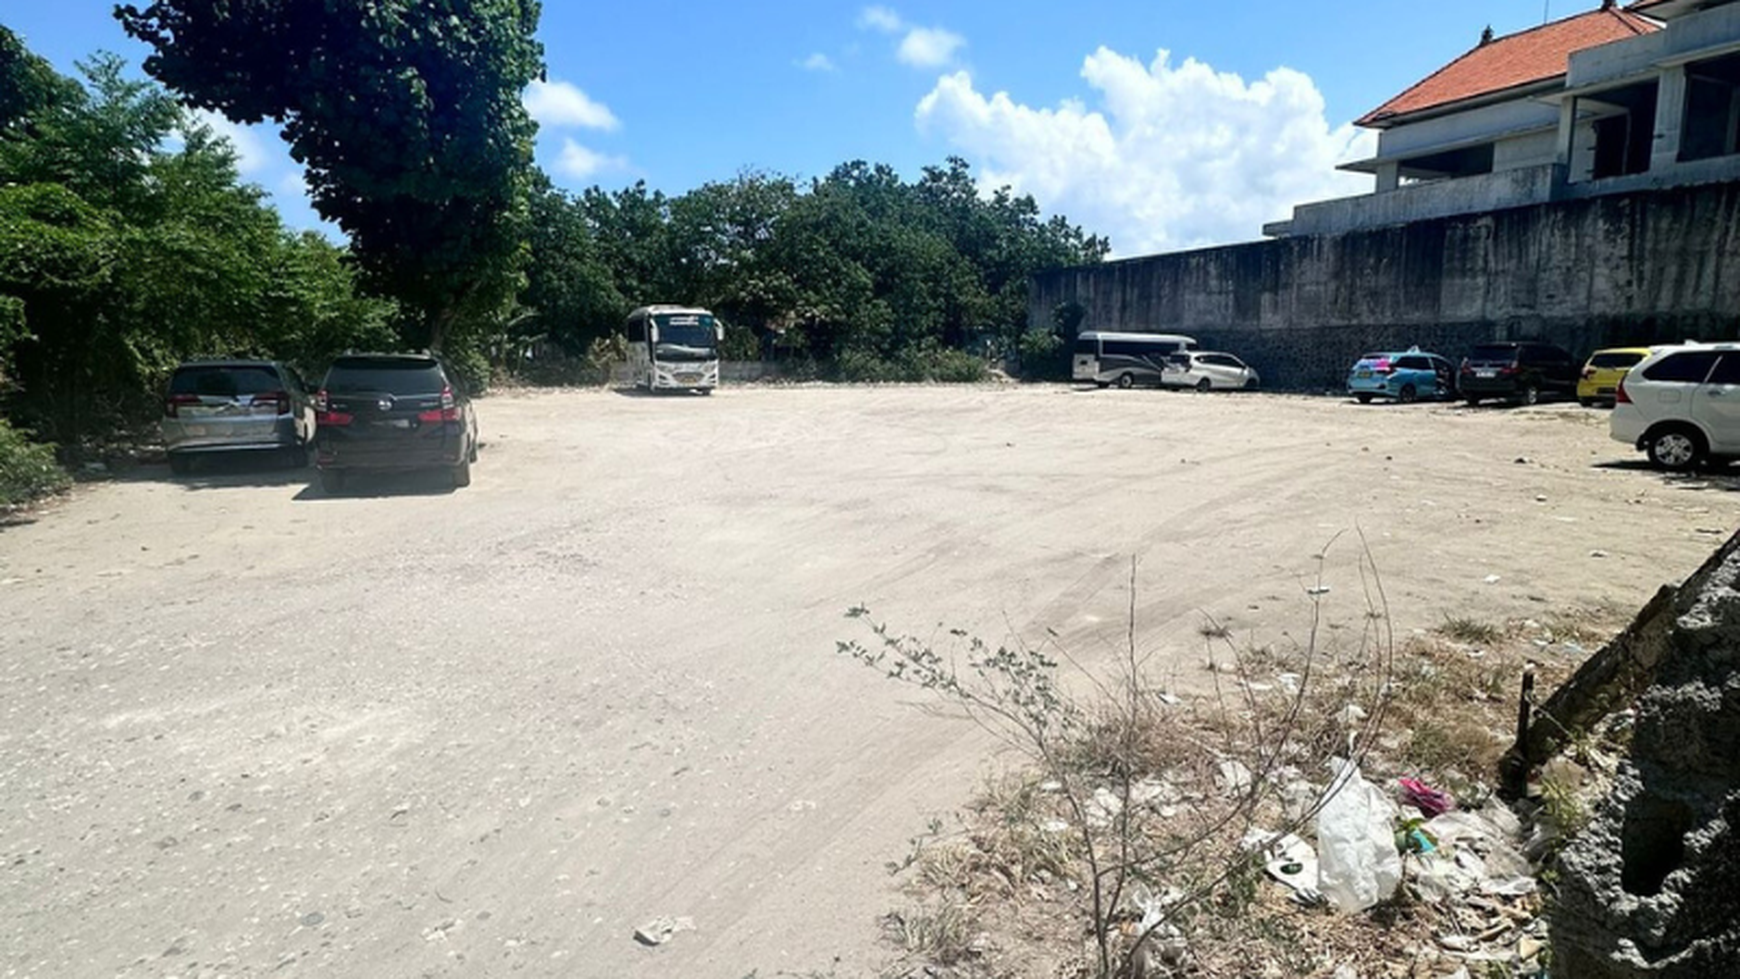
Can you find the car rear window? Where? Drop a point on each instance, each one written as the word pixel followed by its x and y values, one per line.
pixel 225 381
pixel 1690 367
pixel 384 376
pixel 1494 351
pixel 1612 361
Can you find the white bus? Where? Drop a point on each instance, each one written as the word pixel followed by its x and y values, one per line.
pixel 1126 359
pixel 674 348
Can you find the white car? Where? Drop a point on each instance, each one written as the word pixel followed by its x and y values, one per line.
pixel 1207 370
pixel 1681 405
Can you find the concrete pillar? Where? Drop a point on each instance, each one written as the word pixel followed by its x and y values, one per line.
pixel 1389 176
pixel 1567 128
pixel 1670 116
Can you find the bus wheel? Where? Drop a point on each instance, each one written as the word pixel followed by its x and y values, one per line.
pixel 1126 381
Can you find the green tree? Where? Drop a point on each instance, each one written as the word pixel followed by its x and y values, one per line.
pixel 571 292
pixel 406 115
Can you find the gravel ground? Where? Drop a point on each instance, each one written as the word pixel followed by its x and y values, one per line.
pixel 247 729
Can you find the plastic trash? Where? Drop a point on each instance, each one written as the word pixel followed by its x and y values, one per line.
pixel 1358 865
pixel 1431 802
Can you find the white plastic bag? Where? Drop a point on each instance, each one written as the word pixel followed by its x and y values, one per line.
pixel 1358 865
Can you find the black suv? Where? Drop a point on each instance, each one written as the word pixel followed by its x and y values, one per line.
pixel 392 412
pixel 1517 371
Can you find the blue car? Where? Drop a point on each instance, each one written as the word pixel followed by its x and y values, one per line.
pixel 1411 375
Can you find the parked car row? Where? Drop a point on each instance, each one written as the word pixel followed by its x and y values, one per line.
pixel 1519 371
pixel 371 413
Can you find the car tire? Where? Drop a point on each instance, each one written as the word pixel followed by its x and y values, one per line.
pixel 1472 401
pixel 1126 381
pixel 180 464
pixel 1531 395
pixel 1586 402
pixel 1675 448
pixel 1407 395
pixel 462 475
pixel 1250 384
pixel 299 457
pixel 331 481
pixel 1204 385
pixel 1102 385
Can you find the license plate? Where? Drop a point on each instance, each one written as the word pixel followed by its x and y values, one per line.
pixel 1486 373
pixel 393 423
pixel 1364 373
pixel 688 378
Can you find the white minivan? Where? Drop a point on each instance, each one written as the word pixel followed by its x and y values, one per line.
pixel 1681 405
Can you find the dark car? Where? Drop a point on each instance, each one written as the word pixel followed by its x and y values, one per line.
pixel 222 406
pixel 392 413
pixel 1523 372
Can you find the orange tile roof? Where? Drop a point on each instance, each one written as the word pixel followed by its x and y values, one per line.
pixel 1534 55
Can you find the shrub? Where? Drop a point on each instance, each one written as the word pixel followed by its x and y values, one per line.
pixel 27 470
pixel 951 367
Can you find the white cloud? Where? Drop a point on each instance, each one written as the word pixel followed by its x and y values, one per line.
pixel 579 163
pixel 920 47
pixel 929 47
pixel 880 19
pixel 252 153
pixel 1174 157
pixel 817 62
pixel 559 104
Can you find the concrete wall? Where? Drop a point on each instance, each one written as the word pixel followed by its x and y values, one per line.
pixel 1684 37
pixel 1651 266
pixel 1534 149
pixel 1470 125
pixel 1431 199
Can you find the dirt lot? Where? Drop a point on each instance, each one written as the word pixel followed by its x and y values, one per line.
pixel 250 729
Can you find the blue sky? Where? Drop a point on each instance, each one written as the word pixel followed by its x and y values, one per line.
pixel 1244 115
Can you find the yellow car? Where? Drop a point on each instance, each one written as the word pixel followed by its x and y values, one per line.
pixel 1604 371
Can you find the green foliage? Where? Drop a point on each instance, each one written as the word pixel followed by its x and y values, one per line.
pixel 407 117
pixel 27 470
pixel 872 277
pixel 121 256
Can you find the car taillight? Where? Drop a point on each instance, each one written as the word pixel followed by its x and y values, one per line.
pixel 1619 395
pixel 1467 368
pixel 448 412
pixel 1507 369
pixel 173 403
pixel 324 415
pixel 281 398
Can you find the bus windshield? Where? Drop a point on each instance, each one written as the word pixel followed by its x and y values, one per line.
pixel 685 337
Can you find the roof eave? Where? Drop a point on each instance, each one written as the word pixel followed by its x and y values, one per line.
pixel 1539 87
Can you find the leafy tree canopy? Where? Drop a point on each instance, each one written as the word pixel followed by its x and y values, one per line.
pixel 407 115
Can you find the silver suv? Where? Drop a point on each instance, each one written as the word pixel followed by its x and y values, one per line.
pixel 236 405
pixel 1681 405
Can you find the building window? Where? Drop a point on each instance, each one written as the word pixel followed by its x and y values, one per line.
pixel 1711 126
pixel 1625 134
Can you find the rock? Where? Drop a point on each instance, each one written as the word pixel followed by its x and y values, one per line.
pixel 661 929
pixel 1597 553
pixel 1651 887
pixel 1528 948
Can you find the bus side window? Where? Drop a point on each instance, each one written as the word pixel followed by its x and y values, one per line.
pixel 637 330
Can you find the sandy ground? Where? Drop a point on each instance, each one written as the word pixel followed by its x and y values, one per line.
pixel 246 729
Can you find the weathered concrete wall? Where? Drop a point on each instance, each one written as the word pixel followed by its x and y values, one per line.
pixel 1650 266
